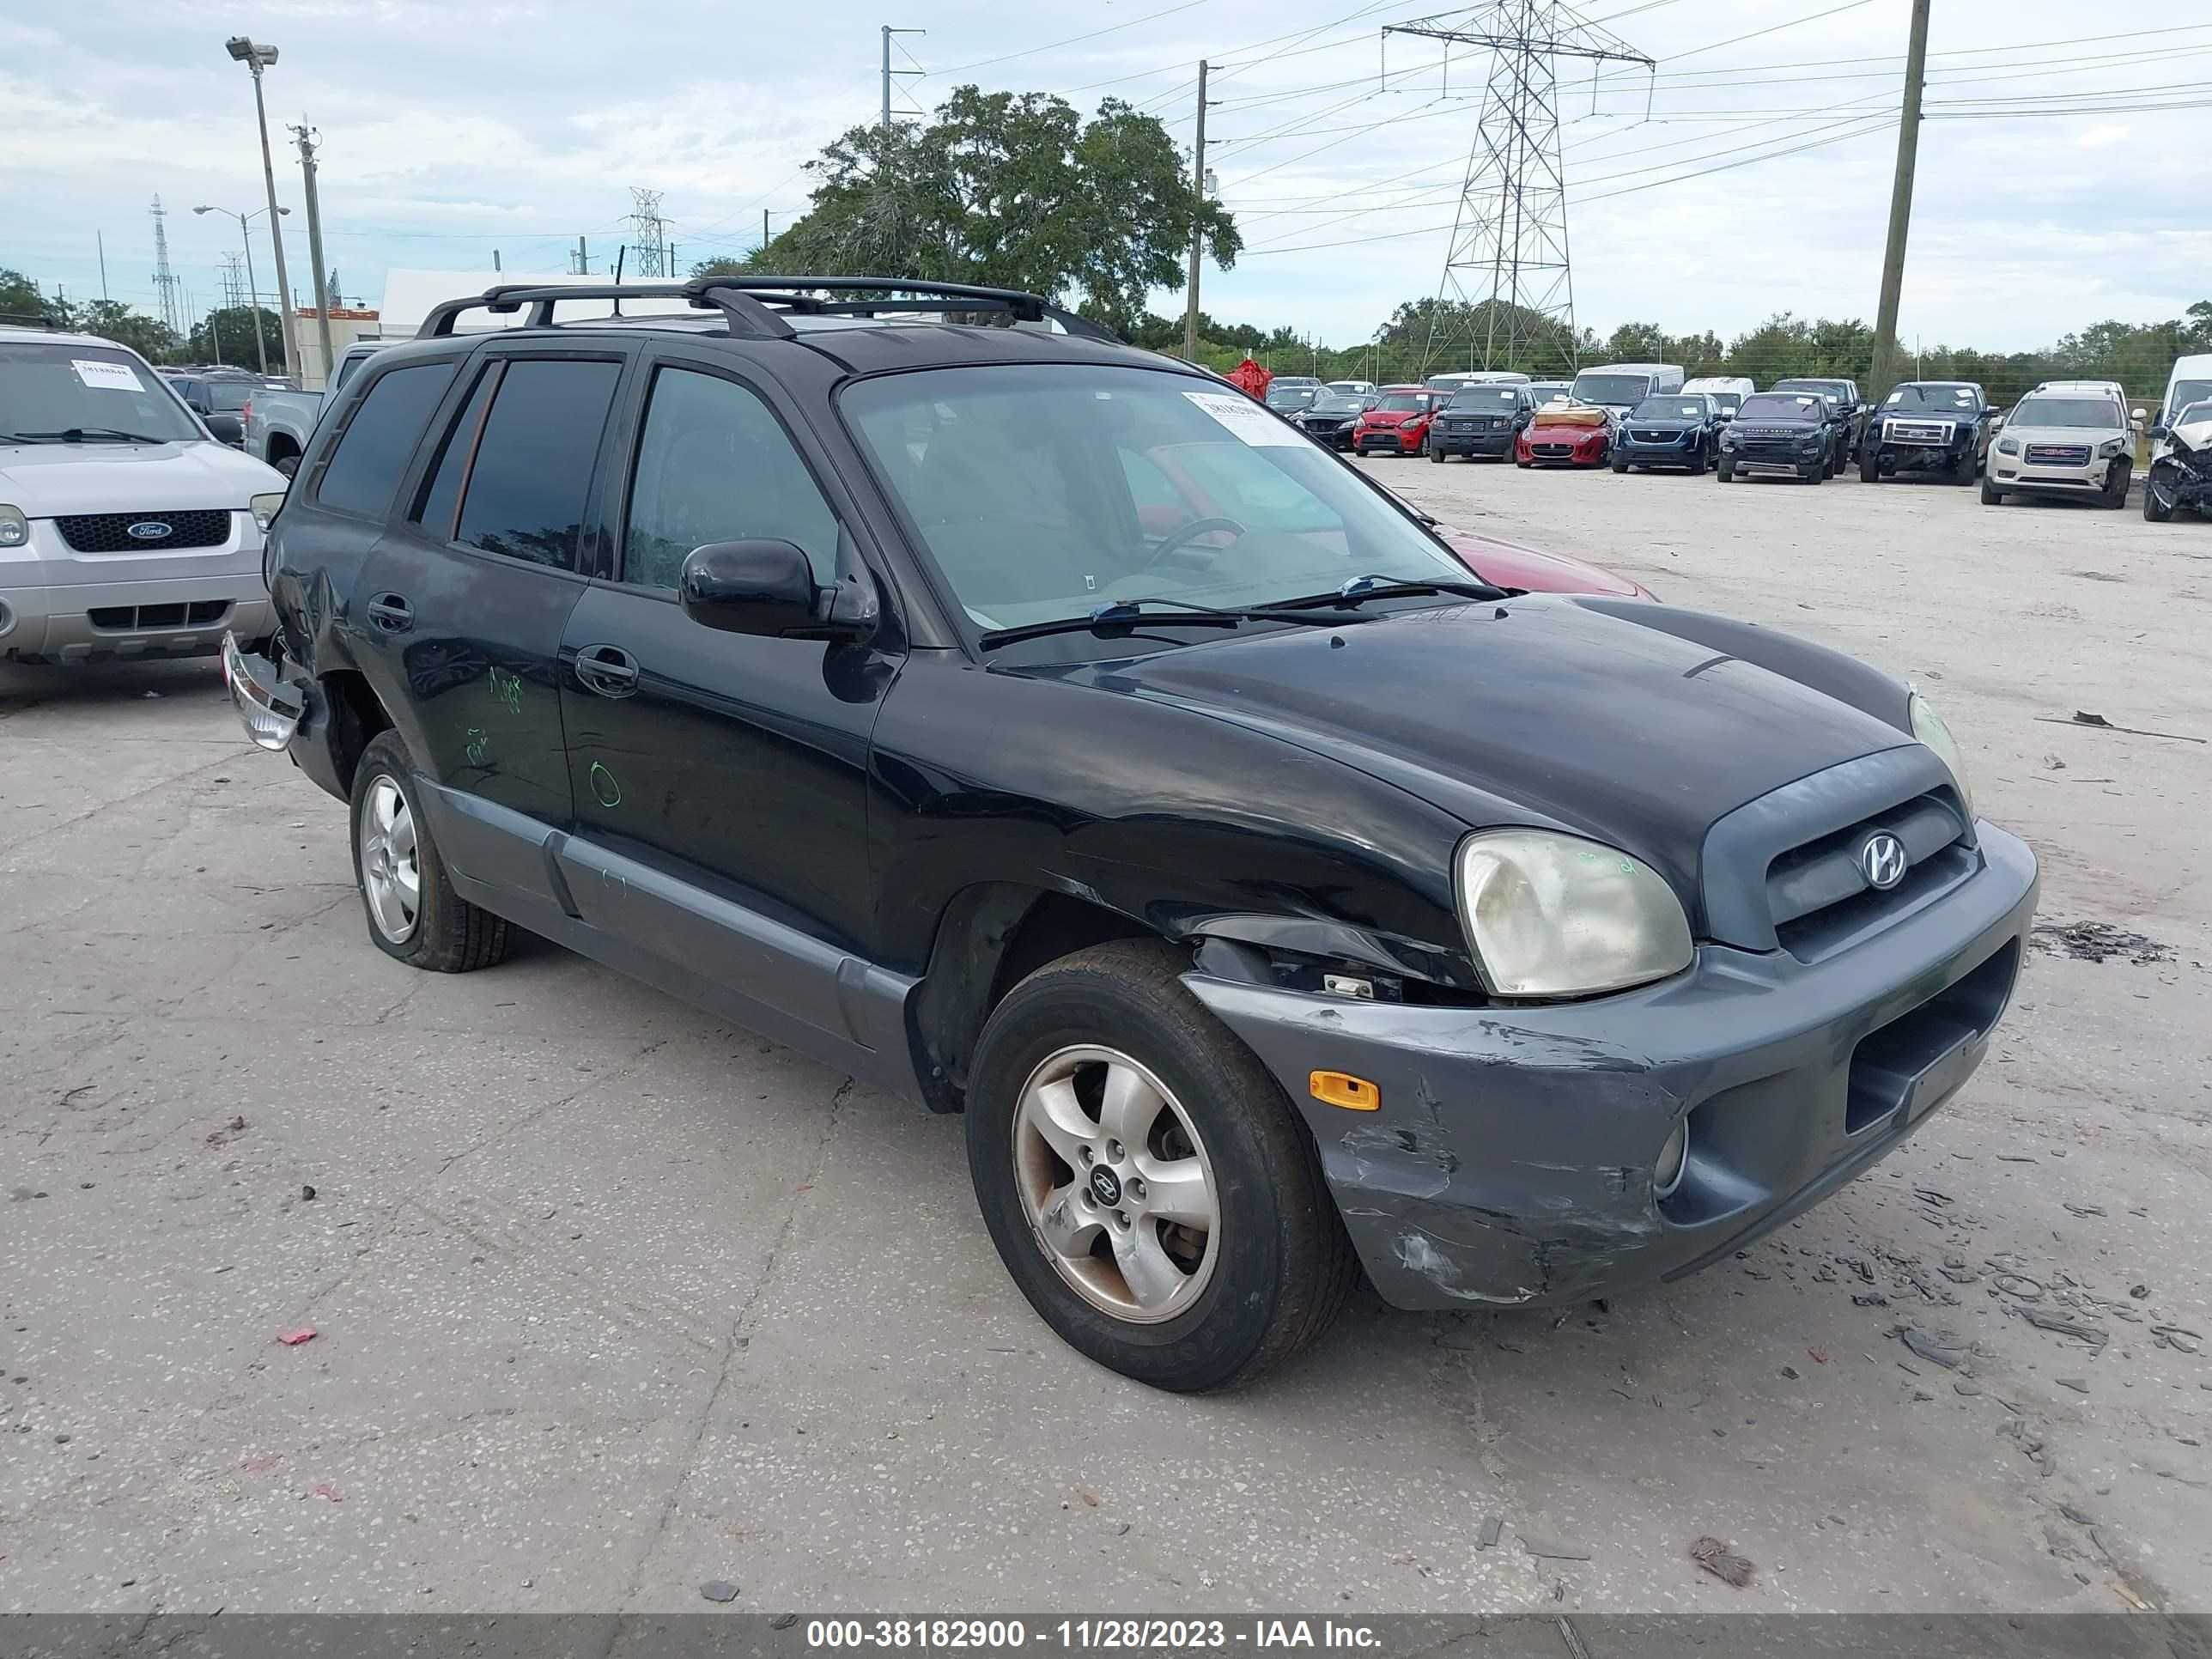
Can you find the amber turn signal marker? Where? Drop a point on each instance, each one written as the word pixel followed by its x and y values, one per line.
pixel 1354 1094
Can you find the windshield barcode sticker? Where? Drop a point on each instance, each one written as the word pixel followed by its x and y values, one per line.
pixel 1245 418
pixel 112 377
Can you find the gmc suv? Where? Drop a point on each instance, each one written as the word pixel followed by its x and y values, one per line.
pixel 1037 727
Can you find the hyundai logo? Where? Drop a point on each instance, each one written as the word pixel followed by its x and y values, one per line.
pixel 150 530
pixel 1882 861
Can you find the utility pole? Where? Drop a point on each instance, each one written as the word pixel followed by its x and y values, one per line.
pixel 1197 230
pixel 257 55
pixel 307 138
pixel 1883 374
pixel 583 258
pixel 100 241
pixel 764 227
pixel 888 31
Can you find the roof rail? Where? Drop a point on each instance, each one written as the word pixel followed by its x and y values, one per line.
pixel 750 303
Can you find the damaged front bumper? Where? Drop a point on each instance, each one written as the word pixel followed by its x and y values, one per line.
pixel 1510 1160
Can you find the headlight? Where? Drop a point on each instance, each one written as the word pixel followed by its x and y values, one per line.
pixel 2110 448
pixel 2007 446
pixel 1555 915
pixel 1927 726
pixel 263 509
pixel 15 528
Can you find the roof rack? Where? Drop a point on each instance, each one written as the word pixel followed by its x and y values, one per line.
pixel 752 303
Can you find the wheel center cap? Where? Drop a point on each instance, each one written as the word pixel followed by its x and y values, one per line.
pixel 1105 1186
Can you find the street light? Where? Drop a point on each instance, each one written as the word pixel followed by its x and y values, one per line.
pixel 257 58
pixel 252 292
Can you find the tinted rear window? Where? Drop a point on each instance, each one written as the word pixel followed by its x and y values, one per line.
pixel 533 464
pixel 374 450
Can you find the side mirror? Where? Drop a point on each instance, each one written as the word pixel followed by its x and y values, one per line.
pixel 226 428
pixel 2134 414
pixel 760 587
pixel 2160 430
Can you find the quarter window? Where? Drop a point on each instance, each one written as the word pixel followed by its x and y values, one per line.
pixel 713 464
pixel 374 450
pixel 533 463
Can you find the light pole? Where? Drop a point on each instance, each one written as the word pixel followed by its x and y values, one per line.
pixel 257 58
pixel 252 293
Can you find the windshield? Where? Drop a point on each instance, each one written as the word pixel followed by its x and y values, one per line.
pixel 1676 408
pixel 1339 402
pixel 1622 389
pixel 1401 403
pixel 2187 392
pixel 1831 390
pixel 1486 397
pixel 1291 396
pixel 1780 406
pixel 46 390
pixel 2100 412
pixel 1044 491
pixel 1952 397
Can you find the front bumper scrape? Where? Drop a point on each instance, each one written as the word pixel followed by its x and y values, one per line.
pixel 268 706
pixel 1510 1161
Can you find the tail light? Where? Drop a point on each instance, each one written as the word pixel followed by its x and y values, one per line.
pixel 245 411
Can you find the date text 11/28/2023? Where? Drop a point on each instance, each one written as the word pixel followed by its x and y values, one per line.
pixel 1086 1635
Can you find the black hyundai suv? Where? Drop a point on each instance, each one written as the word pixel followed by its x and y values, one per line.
pixel 1036 727
pixel 1929 426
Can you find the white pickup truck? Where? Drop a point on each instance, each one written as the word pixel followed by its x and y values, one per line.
pixel 279 423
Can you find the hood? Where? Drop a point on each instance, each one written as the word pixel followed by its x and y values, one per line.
pixel 1664 423
pixel 1508 565
pixel 1393 417
pixel 2193 435
pixel 46 480
pixel 1534 711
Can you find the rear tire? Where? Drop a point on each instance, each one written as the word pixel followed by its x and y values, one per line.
pixel 1260 1282
pixel 413 912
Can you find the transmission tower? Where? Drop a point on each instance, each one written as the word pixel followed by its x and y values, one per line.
pixel 1508 258
pixel 234 282
pixel 165 280
pixel 648 232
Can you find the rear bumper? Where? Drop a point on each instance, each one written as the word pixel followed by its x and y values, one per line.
pixel 127 621
pixel 1511 1159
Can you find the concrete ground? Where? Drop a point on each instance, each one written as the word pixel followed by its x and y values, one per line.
pixel 610 1302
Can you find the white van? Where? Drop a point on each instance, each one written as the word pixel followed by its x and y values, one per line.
pixel 126 530
pixel 1729 391
pixel 1623 386
pixel 2189 383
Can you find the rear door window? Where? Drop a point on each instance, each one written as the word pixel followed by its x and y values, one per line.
pixel 373 449
pixel 533 464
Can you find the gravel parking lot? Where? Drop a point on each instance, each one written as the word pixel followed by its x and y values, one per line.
pixel 610 1302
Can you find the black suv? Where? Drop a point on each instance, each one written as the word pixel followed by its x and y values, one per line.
pixel 1482 419
pixel 1929 426
pixel 1037 727
pixel 1848 415
pixel 1800 433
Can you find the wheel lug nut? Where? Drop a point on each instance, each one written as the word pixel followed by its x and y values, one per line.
pixel 1121 1219
pixel 1135 1188
pixel 1088 1156
pixel 1113 1151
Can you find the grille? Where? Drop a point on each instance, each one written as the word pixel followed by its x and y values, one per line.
pixel 110 533
pixel 2059 455
pixel 1772 432
pixel 1554 450
pixel 1917 432
pixel 129 619
pixel 1821 900
pixel 1658 437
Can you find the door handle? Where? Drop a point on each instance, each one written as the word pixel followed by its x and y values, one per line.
pixel 390 613
pixel 608 670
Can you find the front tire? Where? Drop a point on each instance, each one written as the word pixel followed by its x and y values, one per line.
pixel 1725 470
pixel 289 466
pixel 1869 470
pixel 414 914
pixel 1435 455
pixel 1151 1192
pixel 2116 485
pixel 1991 495
pixel 2154 510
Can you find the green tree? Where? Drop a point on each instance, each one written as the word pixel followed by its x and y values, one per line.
pixel 20 302
pixel 226 335
pixel 1008 191
pixel 111 320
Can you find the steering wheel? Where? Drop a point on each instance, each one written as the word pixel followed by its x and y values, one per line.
pixel 1182 535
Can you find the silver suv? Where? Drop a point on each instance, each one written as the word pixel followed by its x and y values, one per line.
pixel 2062 440
pixel 126 530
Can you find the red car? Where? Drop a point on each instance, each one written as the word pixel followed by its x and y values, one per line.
pixel 1577 435
pixel 1508 564
pixel 1398 425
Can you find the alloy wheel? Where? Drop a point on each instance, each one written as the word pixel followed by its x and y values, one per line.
pixel 391 864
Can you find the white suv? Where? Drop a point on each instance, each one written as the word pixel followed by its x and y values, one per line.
pixel 2059 441
pixel 126 530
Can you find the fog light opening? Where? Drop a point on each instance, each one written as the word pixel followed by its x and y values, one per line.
pixel 1674 1158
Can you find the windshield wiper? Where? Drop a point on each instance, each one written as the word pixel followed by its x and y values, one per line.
pixel 1122 613
pixel 22 437
pixel 77 435
pixel 1360 589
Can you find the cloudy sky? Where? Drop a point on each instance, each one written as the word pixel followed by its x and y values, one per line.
pixel 2061 178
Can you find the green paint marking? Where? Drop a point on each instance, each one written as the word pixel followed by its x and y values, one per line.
pixel 604 787
pixel 479 745
pixel 508 689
